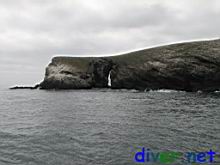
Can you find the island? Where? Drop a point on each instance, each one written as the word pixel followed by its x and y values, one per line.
pixel 190 66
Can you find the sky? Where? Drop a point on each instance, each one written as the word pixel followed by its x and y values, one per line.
pixel 34 31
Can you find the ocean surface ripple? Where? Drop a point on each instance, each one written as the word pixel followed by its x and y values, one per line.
pixel 102 127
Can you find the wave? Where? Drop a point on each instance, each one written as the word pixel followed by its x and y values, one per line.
pixel 165 91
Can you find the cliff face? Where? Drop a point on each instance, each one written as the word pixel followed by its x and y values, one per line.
pixel 188 66
pixel 76 73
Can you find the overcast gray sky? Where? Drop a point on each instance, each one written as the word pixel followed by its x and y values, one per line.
pixel 33 31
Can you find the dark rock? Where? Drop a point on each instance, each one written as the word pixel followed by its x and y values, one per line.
pixel 25 87
pixel 189 67
pixel 100 69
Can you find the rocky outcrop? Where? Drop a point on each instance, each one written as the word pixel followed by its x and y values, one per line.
pixel 79 73
pixel 187 66
pixel 25 87
pixel 99 69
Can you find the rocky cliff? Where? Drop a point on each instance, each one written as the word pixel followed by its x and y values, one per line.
pixel 77 73
pixel 186 66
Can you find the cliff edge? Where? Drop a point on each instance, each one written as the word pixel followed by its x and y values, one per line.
pixel 188 66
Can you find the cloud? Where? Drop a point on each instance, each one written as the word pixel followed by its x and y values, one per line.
pixel 31 32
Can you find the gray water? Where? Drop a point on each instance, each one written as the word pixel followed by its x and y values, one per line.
pixel 103 127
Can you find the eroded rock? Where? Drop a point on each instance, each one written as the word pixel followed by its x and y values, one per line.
pixel 187 66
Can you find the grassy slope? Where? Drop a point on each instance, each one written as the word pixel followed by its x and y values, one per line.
pixel 158 53
pixel 169 51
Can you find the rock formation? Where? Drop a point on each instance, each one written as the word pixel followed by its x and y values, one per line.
pixel 189 66
pixel 26 87
pixel 77 73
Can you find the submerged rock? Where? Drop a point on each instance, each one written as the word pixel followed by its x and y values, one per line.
pixel 25 87
pixel 189 66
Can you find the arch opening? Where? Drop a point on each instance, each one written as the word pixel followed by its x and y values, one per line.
pixel 109 79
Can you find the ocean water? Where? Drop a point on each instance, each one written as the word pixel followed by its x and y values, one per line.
pixel 104 127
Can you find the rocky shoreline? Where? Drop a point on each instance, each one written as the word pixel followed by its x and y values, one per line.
pixel 193 66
